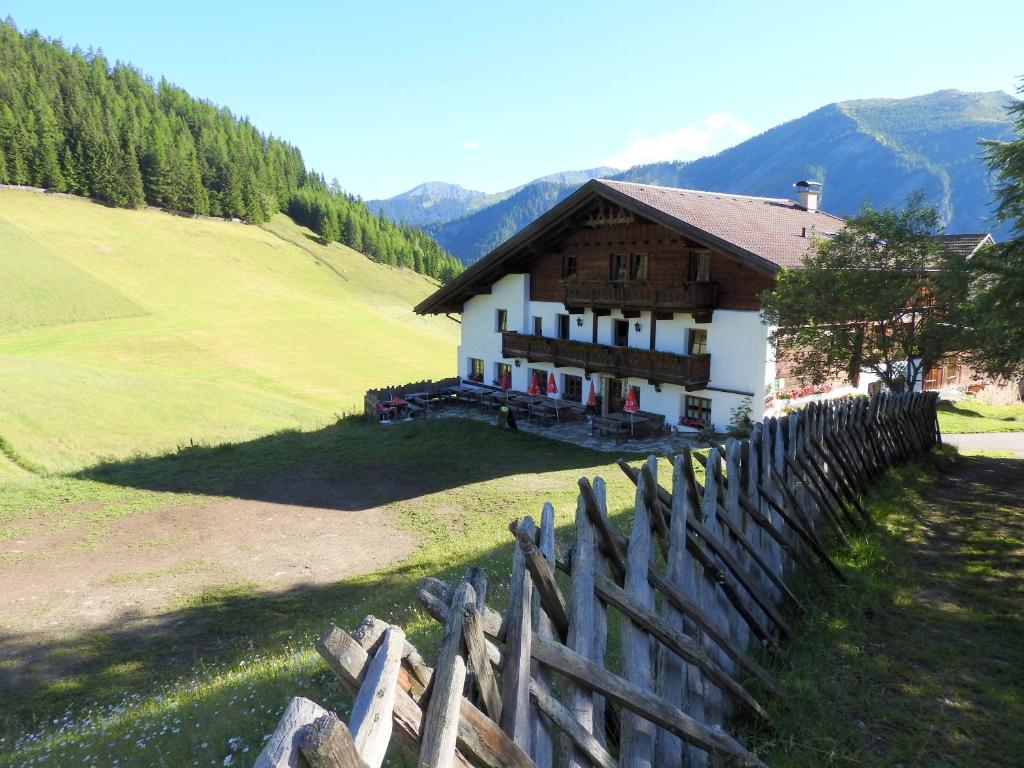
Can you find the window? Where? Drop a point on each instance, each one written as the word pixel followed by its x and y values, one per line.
pixel 700 266
pixel 569 266
pixel 563 326
pixel 638 266
pixel 698 342
pixel 501 321
pixel 538 326
pixel 572 388
pixel 698 409
pixel 620 333
pixel 501 371
pixel 476 369
pixel 617 268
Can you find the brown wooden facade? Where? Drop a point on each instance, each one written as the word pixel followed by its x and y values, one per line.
pixel 690 371
pixel 579 273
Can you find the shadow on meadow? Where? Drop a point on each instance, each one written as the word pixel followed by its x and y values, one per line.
pixel 349 465
pixel 346 466
pixel 135 652
pixel 954 409
pixel 915 663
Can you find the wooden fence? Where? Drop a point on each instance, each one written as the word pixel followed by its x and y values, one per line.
pixel 374 397
pixel 621 650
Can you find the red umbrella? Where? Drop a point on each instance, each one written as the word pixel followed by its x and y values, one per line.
pixel 630 406
pixel 552 387
pixel 592 398
pixel 534 388
pixel 506 380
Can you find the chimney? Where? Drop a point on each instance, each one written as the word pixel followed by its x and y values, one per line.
pixel 807 194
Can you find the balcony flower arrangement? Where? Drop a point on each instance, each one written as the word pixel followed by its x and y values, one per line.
pixel 692 423
pixel 805 391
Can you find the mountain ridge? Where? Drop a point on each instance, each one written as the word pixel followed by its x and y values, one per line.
pixel 435 202
pixel 865 151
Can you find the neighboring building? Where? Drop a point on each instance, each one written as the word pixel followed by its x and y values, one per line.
pixel 950 372
pixel 632 285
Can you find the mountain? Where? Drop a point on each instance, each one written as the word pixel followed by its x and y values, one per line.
pixel 71 122
pixel 873 151
pixel 577 178
pixel 437 202
pixel 474 235
pixel 433 202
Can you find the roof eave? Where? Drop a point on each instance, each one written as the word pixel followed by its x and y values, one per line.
pixel 434 304
pixel 445 300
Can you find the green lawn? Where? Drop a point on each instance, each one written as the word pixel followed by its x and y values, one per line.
pixel 917 662
pixel 971 416
pixel 224 663
pixel 134 332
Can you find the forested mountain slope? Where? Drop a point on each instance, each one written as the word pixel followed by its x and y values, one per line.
pixel 873 151
pixel 473 236
pixel 71 122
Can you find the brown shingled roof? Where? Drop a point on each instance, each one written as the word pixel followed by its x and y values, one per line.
pixel 777 230
pixel 764 233
pixel 965 244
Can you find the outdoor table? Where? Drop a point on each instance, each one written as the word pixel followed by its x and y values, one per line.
pixel 625 418
pixel 550 404
pixel 526 404
pixel 399 406
pixel 491 399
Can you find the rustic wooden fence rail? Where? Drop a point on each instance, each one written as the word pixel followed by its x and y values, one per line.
pixel 639 653
pixel 374 397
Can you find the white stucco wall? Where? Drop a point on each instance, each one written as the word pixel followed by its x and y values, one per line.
pixel 480 335
pixel 741 359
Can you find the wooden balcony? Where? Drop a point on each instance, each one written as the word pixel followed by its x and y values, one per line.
pixel 642 295
pixel 690 371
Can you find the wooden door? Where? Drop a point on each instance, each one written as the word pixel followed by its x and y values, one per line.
pixel 616 395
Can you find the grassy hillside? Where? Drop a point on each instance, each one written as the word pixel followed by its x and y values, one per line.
pixel 127 332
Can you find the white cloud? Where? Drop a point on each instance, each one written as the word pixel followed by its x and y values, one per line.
pixel 471 144
pixel 718 131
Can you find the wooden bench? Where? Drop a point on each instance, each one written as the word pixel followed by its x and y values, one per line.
pixel 654 424
pixel 608 427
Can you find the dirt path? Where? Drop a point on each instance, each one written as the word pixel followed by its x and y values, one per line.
pixel 54 583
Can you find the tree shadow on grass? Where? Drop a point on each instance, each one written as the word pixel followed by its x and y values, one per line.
pixel 221 626
pixel 346 466
pixel 350 465
pixel 953 408
pixel 915 662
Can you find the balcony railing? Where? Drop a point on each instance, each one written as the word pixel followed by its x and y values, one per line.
pixel 690 371
pixel 642 294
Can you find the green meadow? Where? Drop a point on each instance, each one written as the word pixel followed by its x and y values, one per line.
pixel 153 364
pixel 969 415
pixel 135 332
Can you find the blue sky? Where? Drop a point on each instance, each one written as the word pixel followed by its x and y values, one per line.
pixel 488 95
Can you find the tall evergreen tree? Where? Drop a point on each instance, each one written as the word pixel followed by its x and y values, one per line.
pixel 71 122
